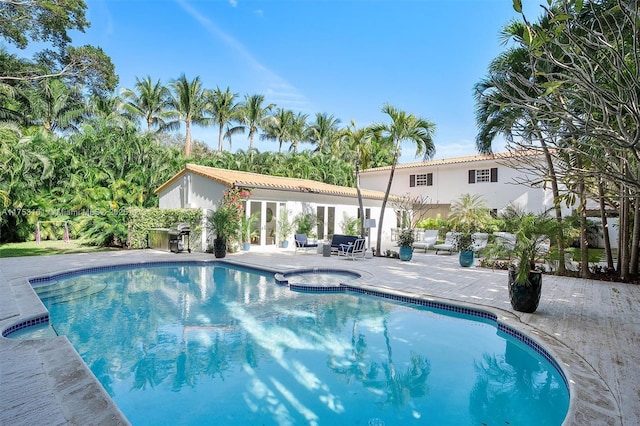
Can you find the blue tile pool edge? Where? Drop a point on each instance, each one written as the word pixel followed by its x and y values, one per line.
pixel 280 278
pixel 25 323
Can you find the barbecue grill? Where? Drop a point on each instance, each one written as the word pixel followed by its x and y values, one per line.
pixel 176 237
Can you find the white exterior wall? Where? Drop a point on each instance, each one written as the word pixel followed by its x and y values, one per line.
pixel 191 191
pixel 194 191
pixel 451 181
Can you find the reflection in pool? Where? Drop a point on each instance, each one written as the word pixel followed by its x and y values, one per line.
pixel 195 345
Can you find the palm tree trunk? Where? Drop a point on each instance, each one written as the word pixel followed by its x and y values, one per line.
pixel 187 139
pixel 385 199
pixel 220 139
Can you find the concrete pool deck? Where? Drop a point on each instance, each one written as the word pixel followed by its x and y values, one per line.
pixel 592 328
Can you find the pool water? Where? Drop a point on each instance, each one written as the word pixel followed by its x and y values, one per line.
pixel 193 345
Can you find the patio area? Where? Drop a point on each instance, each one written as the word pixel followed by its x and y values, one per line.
pixel 592 328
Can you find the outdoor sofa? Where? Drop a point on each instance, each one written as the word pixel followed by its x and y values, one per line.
pixel 339 239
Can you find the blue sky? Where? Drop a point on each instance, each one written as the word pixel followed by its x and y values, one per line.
pixel 345 58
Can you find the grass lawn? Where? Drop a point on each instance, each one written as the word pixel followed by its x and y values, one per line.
pixel 47 247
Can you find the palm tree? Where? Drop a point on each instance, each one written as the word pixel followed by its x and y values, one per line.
pixel 279 127
pixel 253 115
pixel 469 212
pixel 403 128
pixel 298 131
pixel 150 102
pixel 108 108
pixel 358 141
pixel 224 110
pixel 54 105
pixel 324 131
pixel 189 102
pixel 498 111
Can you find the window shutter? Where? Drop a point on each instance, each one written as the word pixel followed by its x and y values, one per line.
pixel 494 174
pixel 412 181
pixel 429 179
pixel 472 176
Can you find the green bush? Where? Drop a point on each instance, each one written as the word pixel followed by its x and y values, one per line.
pixel 141 220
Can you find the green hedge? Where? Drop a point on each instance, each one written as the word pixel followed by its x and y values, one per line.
pixel 141 220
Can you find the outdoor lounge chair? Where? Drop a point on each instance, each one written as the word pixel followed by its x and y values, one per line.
pixel 480 240
pixel 449 243
pixel 303 243
pixel 428 240
pixel 506 240
pixel 353 251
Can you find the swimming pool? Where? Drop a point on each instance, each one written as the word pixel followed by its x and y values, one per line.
pixel 185 344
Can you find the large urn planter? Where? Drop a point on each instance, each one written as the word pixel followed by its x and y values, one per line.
pixel 406 253
pixel 246 246
pixel 466 258
pixel 219 248
pixel 525 297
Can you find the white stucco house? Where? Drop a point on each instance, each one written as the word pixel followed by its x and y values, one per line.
pixel 202 187
pixel 497 177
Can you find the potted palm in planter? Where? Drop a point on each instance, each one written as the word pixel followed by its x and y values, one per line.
pixel 285 228
pixel 247 230
pixel 223 224
pixel 405 241
pixel 532 244
pixel 464 245
pixel 468 213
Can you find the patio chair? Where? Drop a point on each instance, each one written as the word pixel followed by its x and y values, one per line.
pixel 505 242
pixel 449 243
pixel 303 243
pixel 353 251
pixel 480 240
pixel 428 240
pixel 570 264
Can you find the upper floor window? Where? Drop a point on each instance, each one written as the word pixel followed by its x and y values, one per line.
pixel 483 175
pixel 424 179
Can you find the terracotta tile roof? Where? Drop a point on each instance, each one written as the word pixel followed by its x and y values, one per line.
pixel 456 160
pixel 234 178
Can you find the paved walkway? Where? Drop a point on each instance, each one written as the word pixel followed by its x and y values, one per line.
pixel 592 328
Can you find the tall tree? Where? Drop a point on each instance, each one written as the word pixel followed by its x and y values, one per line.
pixel 298 131
pixel 48 23
pixel 225 110
pixel 403 128
pixel 324 130
pixel 498 111
pixel 279 127
pixel 189 100
pixel 150 102
pixel 53 105
pixel 253 114
pixel 358 141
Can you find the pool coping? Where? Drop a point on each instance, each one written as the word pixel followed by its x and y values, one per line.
pixel 577 371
